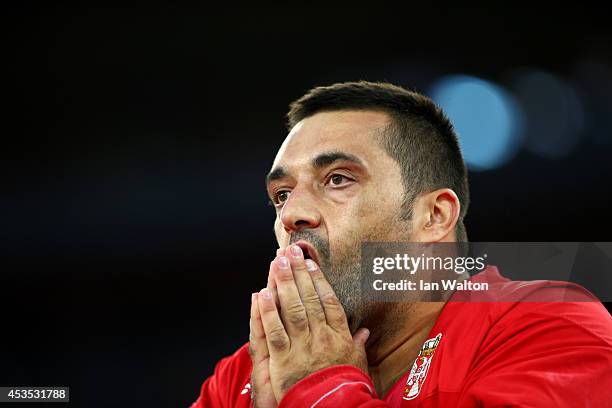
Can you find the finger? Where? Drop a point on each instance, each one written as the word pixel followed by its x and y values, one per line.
pixel 334 313
pixel 261 390
pixel 272 286
pixel 292 310
pixel 303 280
pixel 258 348
pixel 359 340
pixel 276 336
pixel 271 282
pixel 361 337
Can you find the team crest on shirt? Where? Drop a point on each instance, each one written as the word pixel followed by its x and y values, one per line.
pixel 419 369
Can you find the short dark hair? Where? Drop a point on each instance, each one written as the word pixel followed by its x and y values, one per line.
pixel 420 137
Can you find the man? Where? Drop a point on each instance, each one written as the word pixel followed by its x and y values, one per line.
pixel 372 162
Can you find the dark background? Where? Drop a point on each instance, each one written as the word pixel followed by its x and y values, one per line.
pixel 135 141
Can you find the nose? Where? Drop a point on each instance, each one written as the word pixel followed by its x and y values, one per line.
pixel 300 211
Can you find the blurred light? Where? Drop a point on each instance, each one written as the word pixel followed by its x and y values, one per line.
pixel 487 119
pixel 595 81
pixel 553 111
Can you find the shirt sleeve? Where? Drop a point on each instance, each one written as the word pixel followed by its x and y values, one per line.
pixel 545 354
pixel 229 385
pixel 335 386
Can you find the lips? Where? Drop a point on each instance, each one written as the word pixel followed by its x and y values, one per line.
pixel 309 251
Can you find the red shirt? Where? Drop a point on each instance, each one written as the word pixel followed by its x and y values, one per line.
pixel 532 353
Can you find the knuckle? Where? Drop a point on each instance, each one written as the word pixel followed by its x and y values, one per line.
pixel 311 299
pixel 277 338
pixel 298 321
pixel 285 276
pixel 268 310
pixel 317 276
pixel 296 309
pixel 331 300
pixel 299 267
pixel 296 315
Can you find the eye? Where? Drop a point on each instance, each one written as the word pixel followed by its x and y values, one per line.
pixel 337 179
pixel 281 196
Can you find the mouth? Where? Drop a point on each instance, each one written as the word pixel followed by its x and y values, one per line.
pixel 309 251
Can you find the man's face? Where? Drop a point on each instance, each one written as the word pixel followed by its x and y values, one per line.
pixel 334 187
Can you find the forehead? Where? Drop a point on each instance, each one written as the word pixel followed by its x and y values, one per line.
pixel 352 132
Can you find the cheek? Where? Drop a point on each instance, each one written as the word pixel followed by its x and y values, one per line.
pixel 349 223
pixel 345 238
pixel 369 217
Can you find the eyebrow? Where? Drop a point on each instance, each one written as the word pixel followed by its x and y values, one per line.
pixel 322 160
pixel 276 174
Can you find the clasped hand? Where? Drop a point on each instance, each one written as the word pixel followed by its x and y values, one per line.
pixel 298 326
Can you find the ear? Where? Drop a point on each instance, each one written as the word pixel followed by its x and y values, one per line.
pixel 435 216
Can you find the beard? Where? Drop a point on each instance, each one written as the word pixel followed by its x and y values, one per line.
pixel 342 268
pixel 344 275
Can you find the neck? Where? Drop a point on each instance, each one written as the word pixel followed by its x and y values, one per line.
pixel 397 338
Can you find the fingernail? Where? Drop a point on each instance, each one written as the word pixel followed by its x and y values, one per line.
pixel 266 294
pixel 283 262
pixel 311 265
pixel 296 251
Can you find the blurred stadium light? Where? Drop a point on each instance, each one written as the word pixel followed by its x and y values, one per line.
pixel 594 81
pixel 554 113
pixel 486 117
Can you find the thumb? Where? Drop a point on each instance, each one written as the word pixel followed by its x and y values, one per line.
pixel 360 337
